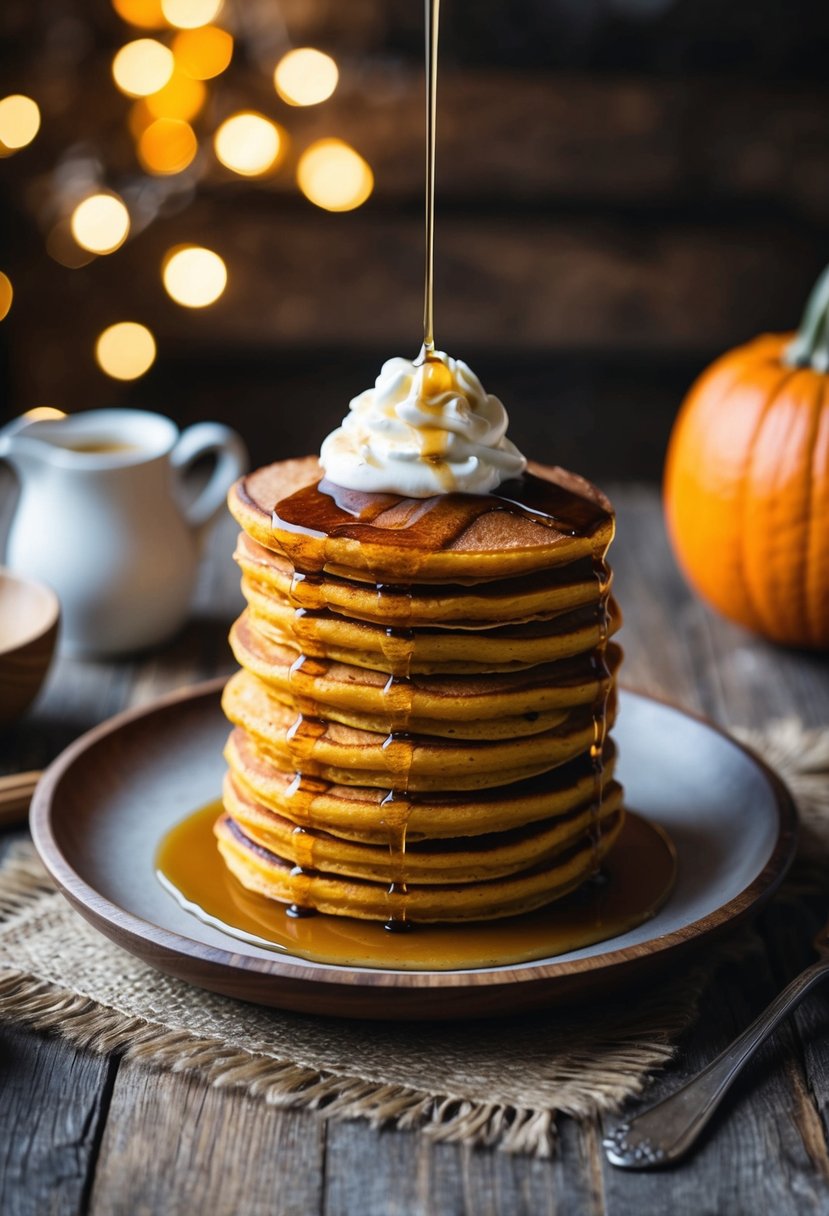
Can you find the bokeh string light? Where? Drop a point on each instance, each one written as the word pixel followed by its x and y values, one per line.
pixel 190 14
pixel 125 350
pixel 203 53
pixel 145 14
pixel 305 77
pixel 100 223
pixel 250 144
pixel 174 55
pixel 19 122
pixel 44 413
pixel 142 67
pixel 334 176
pixel 194 277
pixel 181 97
pixel 167 146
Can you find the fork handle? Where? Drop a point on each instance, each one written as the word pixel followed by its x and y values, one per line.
pixel 666 1131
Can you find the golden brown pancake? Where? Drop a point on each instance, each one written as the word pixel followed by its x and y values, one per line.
pixel 470 606
pixel 502 648
pixel 260 870
pixel 342 686
pixel 355 811
pixel 489 548
pixel 453 859
pixel 350 756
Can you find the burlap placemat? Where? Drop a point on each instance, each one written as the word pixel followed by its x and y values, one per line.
pixel 502 1082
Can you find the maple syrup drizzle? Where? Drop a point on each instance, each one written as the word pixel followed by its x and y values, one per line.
pixel 398 754
pixel 432 18
pixel 604 675
pixel 301 739
pixel 306 591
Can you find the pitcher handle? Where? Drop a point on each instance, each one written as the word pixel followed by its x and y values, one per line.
pixel 209 439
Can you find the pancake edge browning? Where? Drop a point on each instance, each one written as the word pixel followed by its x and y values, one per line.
pixel 252 499
pixel 453 859
pixel 353 811
pixel 263 872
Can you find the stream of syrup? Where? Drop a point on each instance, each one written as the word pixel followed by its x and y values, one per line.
pixel 432 8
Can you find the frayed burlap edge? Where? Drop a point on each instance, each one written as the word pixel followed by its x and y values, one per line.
pixel 451 1118
pixel 801 756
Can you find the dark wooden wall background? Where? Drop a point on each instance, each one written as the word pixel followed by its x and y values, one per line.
pixel 626 188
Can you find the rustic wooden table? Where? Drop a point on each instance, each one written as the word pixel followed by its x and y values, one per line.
pixel 88 1133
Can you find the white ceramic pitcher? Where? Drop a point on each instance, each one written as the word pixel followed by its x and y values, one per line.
pixel 103 518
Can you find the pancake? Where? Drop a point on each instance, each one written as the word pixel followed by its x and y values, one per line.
pixel 355 811
pixel 406 540
pixel 476 605
pixel 325 634
pixel 347 755
pixel 265 872
pixel 426 686
pixel 455 859
pixel 342 686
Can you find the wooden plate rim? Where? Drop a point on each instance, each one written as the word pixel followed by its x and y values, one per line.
pixel 117 923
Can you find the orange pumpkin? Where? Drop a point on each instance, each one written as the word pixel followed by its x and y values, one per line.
pixel 747 482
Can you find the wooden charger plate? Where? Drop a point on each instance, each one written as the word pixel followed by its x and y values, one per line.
pixel 104 804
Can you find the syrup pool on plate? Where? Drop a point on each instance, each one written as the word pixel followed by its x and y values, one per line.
pixel 636 879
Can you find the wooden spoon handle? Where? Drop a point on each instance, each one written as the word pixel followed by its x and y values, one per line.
pixel 15 795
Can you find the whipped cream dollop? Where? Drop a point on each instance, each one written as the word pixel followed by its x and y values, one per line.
pixel 425 428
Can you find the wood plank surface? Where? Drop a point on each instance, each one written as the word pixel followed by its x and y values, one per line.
pixel 174 1146
pixel 411 1176
pixel 81 1134
pixel 52 1113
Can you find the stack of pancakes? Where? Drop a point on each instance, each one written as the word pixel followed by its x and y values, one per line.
pixel 420 722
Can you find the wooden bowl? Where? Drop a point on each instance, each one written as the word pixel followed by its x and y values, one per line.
pixel 29 615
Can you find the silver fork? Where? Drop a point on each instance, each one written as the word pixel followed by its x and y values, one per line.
pixel 667 1130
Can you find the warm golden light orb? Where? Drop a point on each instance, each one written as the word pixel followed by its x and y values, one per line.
pixel 100 223
pixel 181 97
pixel 305 77
pixel 19 122
pixel 146 14
pixel 190 14
pixel 167 146
pixel 125 351
pixel 249 143
pixel 6 295
pixel 333 176
pixel 44 413
pixel 203 53
pixel 142 67
pixel 194 277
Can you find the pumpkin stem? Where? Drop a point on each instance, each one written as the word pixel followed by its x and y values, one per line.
pixel 810 345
